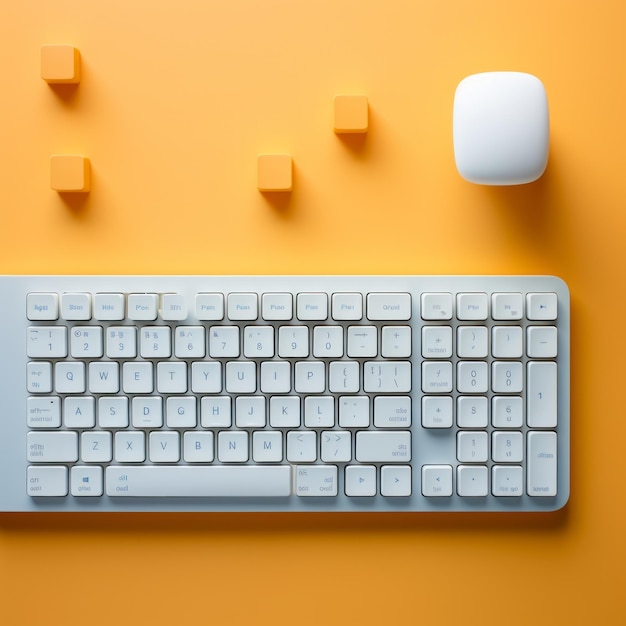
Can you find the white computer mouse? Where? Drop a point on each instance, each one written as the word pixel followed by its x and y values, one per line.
pixel 501 128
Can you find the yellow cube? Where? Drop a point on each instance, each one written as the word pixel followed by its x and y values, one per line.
pixel 351 114
pixel 60 64
pixel 70 173
pixel 274 172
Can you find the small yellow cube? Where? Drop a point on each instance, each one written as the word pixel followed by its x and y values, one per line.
pixel 274 172
pixel 60 64
pixel 351 114
pixel 70 173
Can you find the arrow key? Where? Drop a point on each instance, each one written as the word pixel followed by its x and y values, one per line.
pixel 395 480
pixel 360 480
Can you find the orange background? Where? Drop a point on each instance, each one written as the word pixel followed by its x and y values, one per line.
pixel 175 102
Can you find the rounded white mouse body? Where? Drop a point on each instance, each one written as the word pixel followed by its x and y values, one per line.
pixel 501 128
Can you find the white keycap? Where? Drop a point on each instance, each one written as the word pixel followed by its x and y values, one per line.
pixel 129 447
pixel 327 342
pixel 46 342
pixel 472 377
pixel 155 342
pixel 312 306
pixel 541 306
pixel 121 342
pixel 436 481
pixel 507 447
pixel 472 446
pixel 250 412
pixel 360 480
pixel 86 481
pixel 137 377
pixel 507 306
pixel 542 464
pixel 319 411
pixel 232 447
pixel 267 446
pixel 199 482
pixel 52 447
pixel 43 412
pixel 86 342
pixel 472 306
pixel 436 342
pixel 507 480
pixel 507 377
pixel 173 307
pixel 206 377
pixel 316 480
pixel 39 377
pixel 96 447
pixel 396 342
pixel 46 481
pixel 347 306
pixel 69 377
pixel 240 377
pixel 224 342
pixel 343 377
pixel 284 411
pixel 76 306
pixel 392 411
pixel 164 447
pixel 109 306
pixel 437 412
pixel 113 412
pixel 507 342
pixel 310 377
pixel 395 481
pixel 79 412
pixel 542 395
pixel 258 342
pixel 293 342
pixel 215 412
pixel 541 342
pixel 180 412
pixel 42 306
pixel 437 377
pixel 362 341
pixel 210 307
pixel 103 377
pixel 472 342
pixel 143 306
pixel 172 377
pixel 388 306
pixel 354 411
pixel 276 377
pixel 507 412
pixel 242 306
pixel 387 376
pixel 472 412
pixel 147 411
pixel 301 446
pixel 277 306
pixel 190 342
pixel 336 446
pixel 198 447
pixel 472 481
pixel 383 446
pixel 437 306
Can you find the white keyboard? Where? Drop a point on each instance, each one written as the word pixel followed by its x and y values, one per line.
pixel 284 393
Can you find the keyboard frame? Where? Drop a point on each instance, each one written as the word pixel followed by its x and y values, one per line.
pixel 425 445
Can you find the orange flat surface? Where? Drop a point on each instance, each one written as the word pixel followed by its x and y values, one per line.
pixel 176 99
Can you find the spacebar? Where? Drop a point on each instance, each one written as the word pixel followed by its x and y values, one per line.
pixel 218 481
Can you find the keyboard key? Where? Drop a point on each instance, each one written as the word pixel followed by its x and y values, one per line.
pixel 360 480
pixel 542 464
pixel 173 307
pixel 396 342
pixel 242 306
pixel 472 481
pixel 542 395
pixel 43 412
pixel 143 306
pixel 542 306
pixel 362 341
pixel 436 481
pixel 388 306
pixel 387 376
pixel 277 306
pixel 312 306
pixel 86 481
pixel 52 447
pixel 47 481
pixel 395 481
pixel 507 306
pixel 347 306
pixel 42 306
pixel 109 306
pixel 210 306
pixel 316 480
pixel 46 342
pixel 383 446
pixel 76 306
pixel 263 481
pixel 507 480
pixel 437 306
pixel 472 306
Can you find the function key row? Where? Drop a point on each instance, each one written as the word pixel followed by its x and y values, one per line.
pixel 214 306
